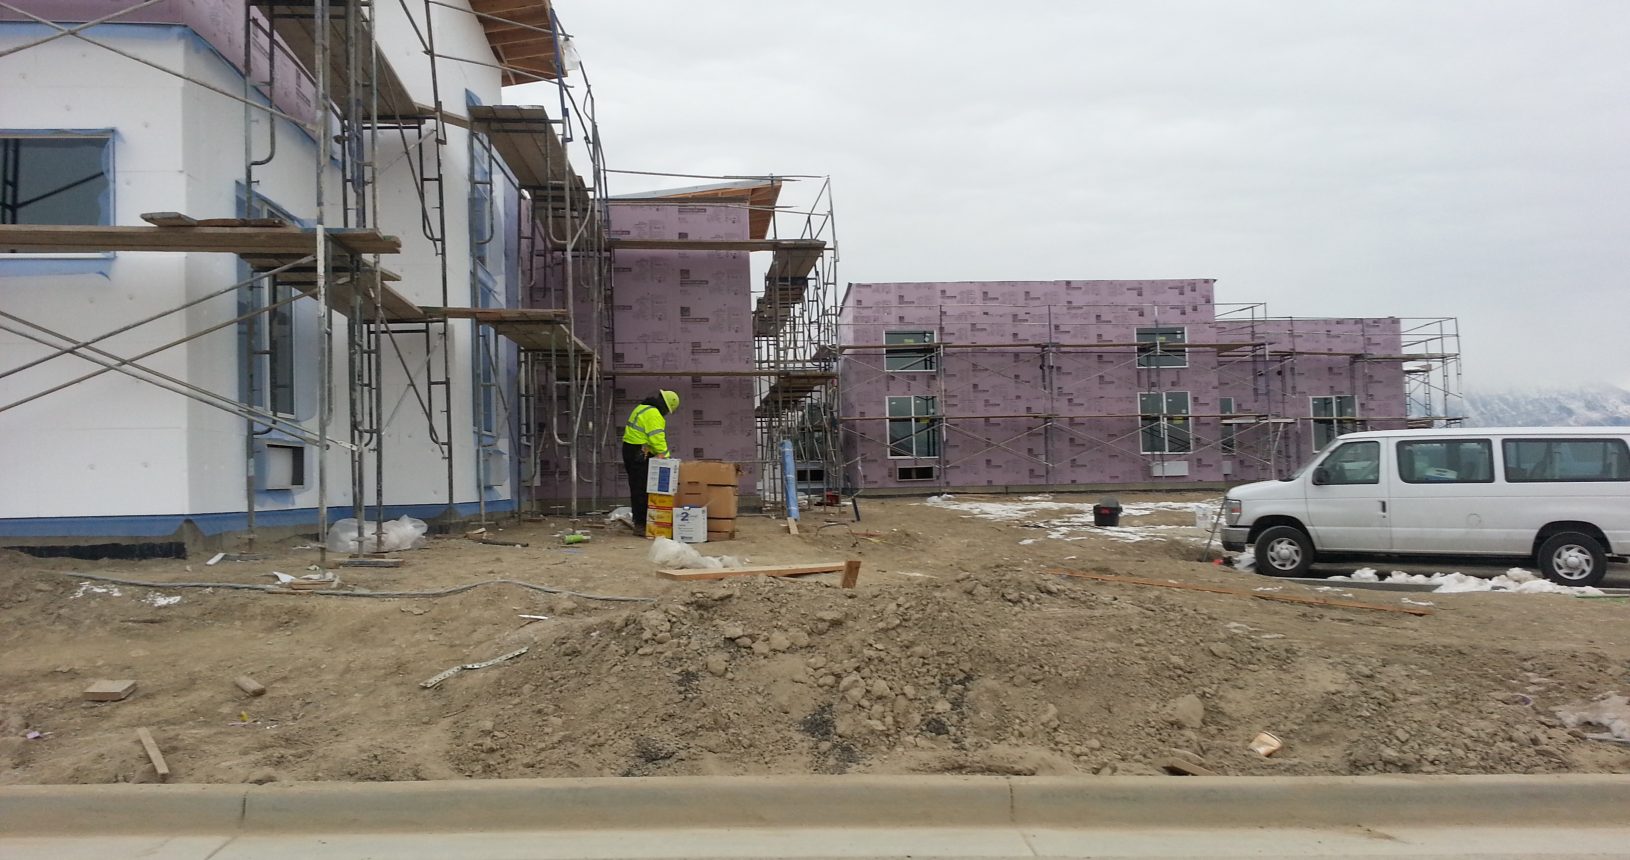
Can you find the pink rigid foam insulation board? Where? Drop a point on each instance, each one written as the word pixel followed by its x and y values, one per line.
pixel 1093 392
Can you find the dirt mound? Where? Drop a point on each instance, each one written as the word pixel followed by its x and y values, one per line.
pixel 1016 674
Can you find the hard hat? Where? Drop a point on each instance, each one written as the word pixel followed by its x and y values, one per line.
pixel 671 398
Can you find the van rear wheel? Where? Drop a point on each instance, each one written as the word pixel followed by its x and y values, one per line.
pixel 1572 558
pixel 1284 551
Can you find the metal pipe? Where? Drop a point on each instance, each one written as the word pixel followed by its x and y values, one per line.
pixel 152 65
pixel 325 346
pixel 145 320
pixel 177 386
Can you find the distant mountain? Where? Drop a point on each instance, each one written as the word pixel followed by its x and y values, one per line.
pixel 1585 407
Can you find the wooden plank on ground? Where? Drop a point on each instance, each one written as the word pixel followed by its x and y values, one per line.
pixel 108 691
pixel 757 570
pixel 851 574
pixel 792 526
pixel 1260 595
pixel 153 754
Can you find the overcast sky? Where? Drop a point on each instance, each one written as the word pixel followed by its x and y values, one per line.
pixel 1465 158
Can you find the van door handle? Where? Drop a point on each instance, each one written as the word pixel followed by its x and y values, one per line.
pixel 1383 507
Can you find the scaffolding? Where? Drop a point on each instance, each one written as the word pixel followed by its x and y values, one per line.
pixel 1255 357
pixel 360 108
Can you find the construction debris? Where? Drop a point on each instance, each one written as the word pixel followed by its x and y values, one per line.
pixel 249 685
pixel 153 754
pixel 108 691
pixel 470 667
pixel 763 570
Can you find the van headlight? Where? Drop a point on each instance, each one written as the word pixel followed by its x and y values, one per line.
pixel 1233 509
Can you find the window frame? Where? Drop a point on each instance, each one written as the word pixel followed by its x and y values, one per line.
pixel 105 197
pixel 925 355
pixel 1506 458
pixel 1399 454
pixel 1334 422
pixel 933 473
pixel 1228 441
pixel 930 432
pixel 1156 354
pixel 1164 421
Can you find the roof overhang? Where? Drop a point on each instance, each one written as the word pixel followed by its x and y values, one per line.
pixel 522 35
pixel 758 195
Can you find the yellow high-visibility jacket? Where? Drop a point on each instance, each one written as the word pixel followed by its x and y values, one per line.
pixel 649 428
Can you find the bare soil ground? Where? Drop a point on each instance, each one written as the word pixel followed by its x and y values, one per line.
pixel 962 651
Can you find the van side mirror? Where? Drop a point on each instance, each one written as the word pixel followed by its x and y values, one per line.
pixel 1321 476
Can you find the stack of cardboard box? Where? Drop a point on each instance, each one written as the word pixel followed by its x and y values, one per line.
pixel 711 484
pixel 661 482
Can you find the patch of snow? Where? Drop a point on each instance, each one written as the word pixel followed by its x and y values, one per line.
pixel 1245 561
pixel 92 588
pixel 156 599
pixel 1515 580
pixel 1270 588
pixel 1027 541
pixel 1419 602
pixel 1611 712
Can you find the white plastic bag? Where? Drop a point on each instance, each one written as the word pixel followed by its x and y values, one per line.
pixel 391 536
pixel 673 555
pixel 624 515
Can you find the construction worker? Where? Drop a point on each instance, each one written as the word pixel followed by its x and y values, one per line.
pixel 646 436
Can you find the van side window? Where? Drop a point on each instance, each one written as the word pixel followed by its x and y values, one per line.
pixel 1353 463
pixel 1531 460
pixel 1451 461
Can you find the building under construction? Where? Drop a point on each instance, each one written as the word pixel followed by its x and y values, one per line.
pixel 267 264
pixel 1037 385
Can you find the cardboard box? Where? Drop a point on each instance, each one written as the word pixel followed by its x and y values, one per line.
pixel 660 515
pixel 691 494
pixel 654 529
pixel 715 473
pixel 720 529
pixel 690 524
pixel 662 476
pixel 721 503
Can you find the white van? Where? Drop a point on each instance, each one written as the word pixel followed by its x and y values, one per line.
pixel 1558 497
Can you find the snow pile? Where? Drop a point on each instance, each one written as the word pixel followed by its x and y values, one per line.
pixel 162 599
pixel 1071 521
pixel 1610 712
pixel 1514 580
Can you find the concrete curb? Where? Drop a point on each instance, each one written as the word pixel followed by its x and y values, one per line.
pixel 814 802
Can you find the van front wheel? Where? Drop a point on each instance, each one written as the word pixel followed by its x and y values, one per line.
pixel 1572 558
pixel 1284 551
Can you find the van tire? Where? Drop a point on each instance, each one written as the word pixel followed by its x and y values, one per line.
pixel 1572 558
pixel 1283 551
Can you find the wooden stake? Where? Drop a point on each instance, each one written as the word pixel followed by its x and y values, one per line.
pixel 153 754
pixel 792 526
pixel 1260 595
pixel 851 573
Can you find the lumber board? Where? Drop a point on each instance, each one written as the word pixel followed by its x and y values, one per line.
pixel 851 574
pixel 249 685
pixel 153 754
pixel 812 246
pixel 109 691
pixel 76 238
pixel 756 570
pixel 1260 595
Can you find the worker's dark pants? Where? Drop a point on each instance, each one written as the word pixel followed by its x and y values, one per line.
pixel 637 463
